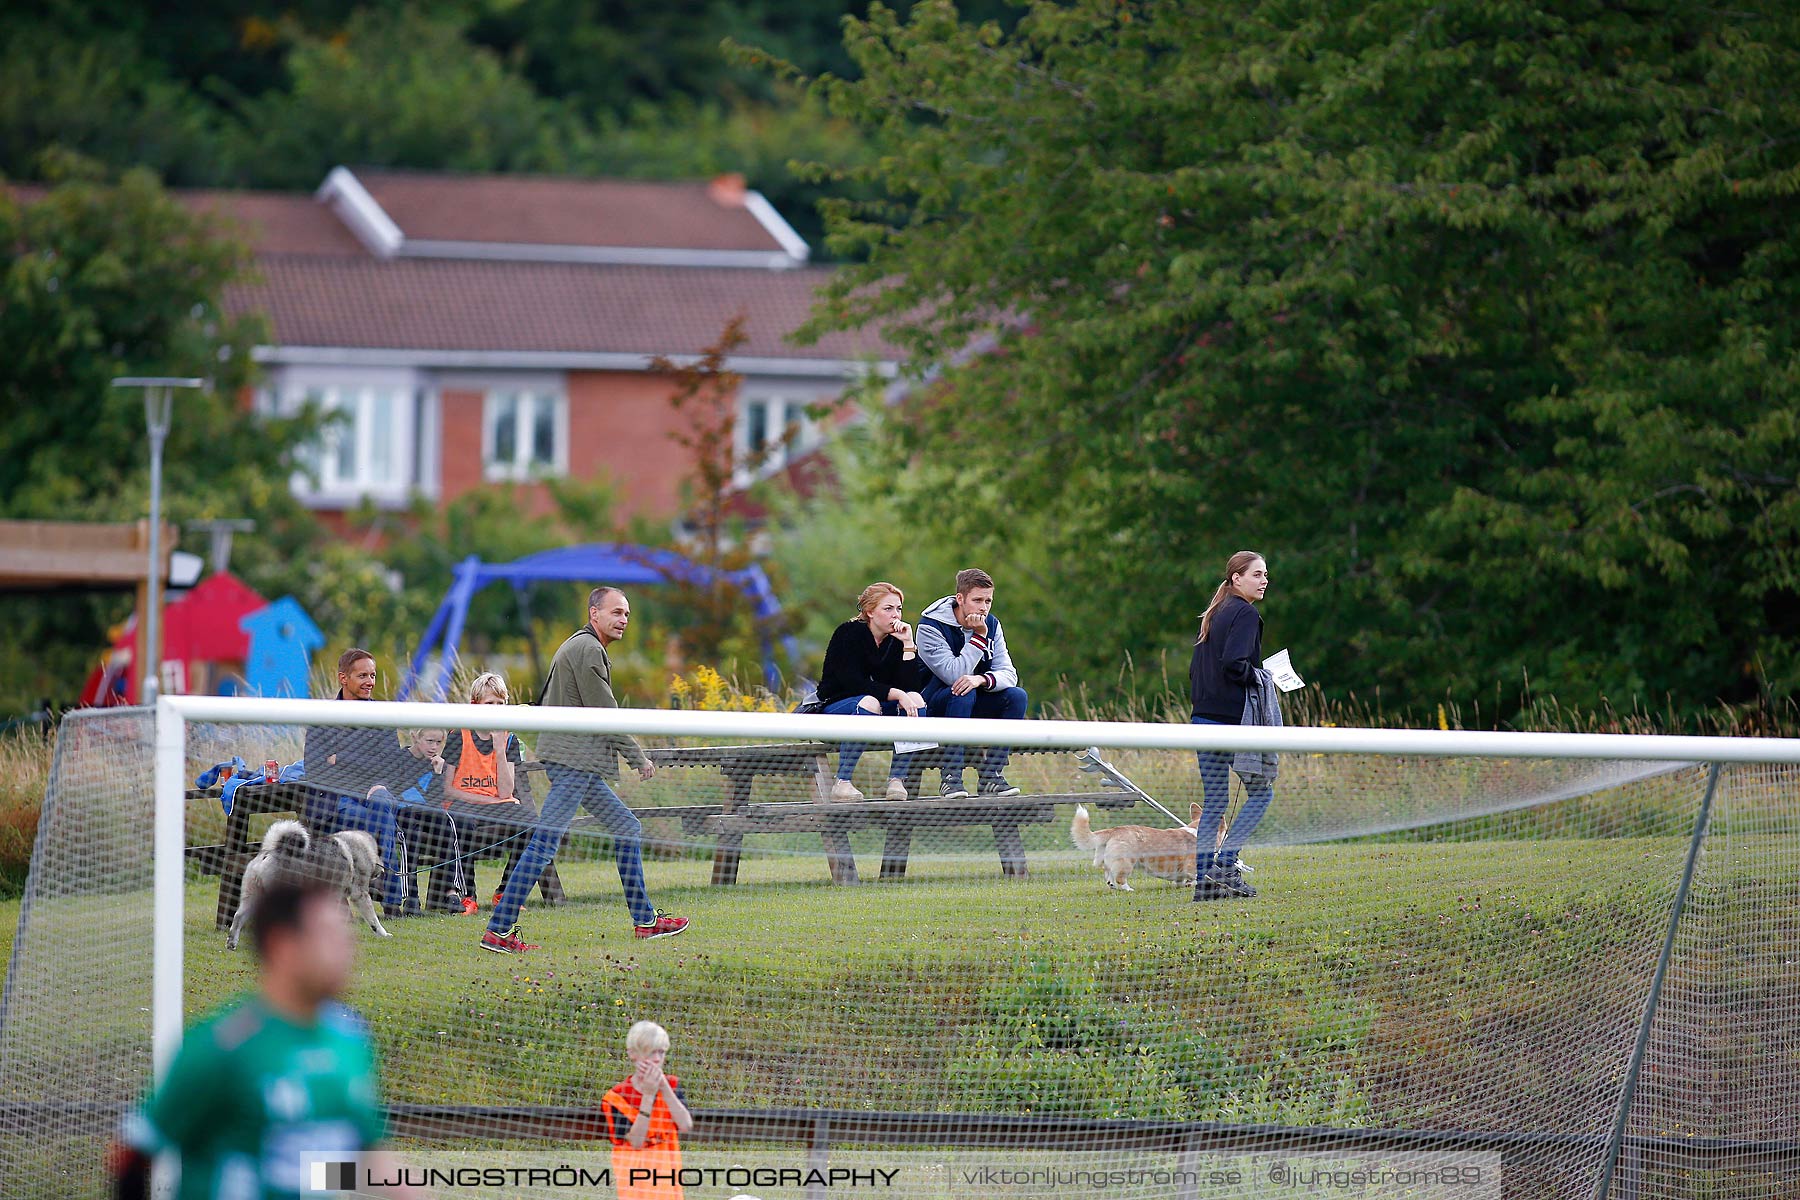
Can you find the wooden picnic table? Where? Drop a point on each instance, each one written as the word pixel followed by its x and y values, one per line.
pixel 307 804
pixel 834 821
pixel 228 859
pixel 728 822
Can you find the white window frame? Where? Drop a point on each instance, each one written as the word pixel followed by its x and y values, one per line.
pixel 291 389
pixel 522 469
pixel 784 407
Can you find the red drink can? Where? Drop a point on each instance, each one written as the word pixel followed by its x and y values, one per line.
pixel 271 771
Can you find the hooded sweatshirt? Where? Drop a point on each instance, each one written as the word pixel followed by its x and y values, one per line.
pixel 949 651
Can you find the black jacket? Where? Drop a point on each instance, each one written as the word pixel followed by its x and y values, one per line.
pixel 856 666
pixel 365 757
pixel 1222 664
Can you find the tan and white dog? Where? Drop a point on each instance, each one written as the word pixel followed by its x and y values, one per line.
pixel 350 859
pixel 1164 853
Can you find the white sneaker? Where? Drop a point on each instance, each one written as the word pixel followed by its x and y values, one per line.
pixel 845 791
pixel 896 790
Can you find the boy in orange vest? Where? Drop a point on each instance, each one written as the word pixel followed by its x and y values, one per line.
pixel 646 1133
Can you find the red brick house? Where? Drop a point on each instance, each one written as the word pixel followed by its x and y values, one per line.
pixel 498 328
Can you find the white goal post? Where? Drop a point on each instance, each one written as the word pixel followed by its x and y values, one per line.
pixel 175 713
pixel 1568 955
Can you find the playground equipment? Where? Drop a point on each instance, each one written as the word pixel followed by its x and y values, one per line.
pixel 616 563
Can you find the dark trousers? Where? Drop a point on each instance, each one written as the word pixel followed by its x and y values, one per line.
pixel 377 814
pixel 1215 784
pixel 499 830
pixel 905 767
pixel 436 846
pixel 1007 704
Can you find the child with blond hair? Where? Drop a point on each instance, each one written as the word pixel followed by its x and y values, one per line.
pixel 428 831
pixel 645 1118
pixel 486 794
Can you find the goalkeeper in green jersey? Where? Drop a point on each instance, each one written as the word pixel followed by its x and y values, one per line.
pixel 263 1088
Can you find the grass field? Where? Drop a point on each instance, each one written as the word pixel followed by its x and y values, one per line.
pixel 1327 1000
pixel 1483 965
pixel 1475 985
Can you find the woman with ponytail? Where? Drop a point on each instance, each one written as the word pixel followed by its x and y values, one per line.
pixel 1226 658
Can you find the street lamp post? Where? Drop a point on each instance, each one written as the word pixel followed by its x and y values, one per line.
pixel 220 531
pixel 159 400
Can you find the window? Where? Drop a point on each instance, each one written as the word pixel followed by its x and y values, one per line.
pixel 366 445
pixel 771 431
pixel 524 435
pixel 756 428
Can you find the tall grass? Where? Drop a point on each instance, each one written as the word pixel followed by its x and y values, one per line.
pixel 25 758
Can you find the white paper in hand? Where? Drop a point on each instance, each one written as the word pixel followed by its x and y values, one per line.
pixel 1282 672
pixel 913 747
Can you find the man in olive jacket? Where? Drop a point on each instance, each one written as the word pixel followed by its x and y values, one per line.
pixel 583 767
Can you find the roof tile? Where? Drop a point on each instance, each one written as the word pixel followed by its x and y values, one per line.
pixel 441 304
pixel 277 222
pixel 540 210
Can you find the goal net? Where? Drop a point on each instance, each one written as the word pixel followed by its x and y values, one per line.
pixel 1469 964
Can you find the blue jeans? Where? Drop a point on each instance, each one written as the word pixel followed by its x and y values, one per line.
pixel 569 790
pixel 376 815
pixel 850 753
pixel 1215 782
pixel 1008 704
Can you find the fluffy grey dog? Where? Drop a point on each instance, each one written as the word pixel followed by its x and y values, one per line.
pixel 349 859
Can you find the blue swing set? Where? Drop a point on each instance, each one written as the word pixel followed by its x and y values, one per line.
pixel 617 563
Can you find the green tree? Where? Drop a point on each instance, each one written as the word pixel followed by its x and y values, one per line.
pixel 867 521
pixel 100 98
pixel 396 88
pixel 610 56
pixel 100 278
pixel 195 45
pixel 1478 319
pixel 274 95
pixel 103 278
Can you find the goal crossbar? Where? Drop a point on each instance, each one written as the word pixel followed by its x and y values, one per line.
pixel 1066 735
pixel 175 714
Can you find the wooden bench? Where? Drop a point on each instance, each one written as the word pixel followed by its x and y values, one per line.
pixel 740 765
pixel 727 822
pixel 1006 815
pixel 228 859
pixel 833 821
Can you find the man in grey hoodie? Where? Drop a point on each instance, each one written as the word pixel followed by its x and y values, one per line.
pixel 972 675
pixel 583 767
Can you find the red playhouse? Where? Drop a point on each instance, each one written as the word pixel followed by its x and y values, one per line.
pixel 204 648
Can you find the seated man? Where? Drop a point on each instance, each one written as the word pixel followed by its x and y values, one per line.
pixel 349 767
pixel 971 675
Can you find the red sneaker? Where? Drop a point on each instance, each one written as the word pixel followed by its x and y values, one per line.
pixel 506 943
pixel 469 905
pixel 496 899
pixel 663 926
